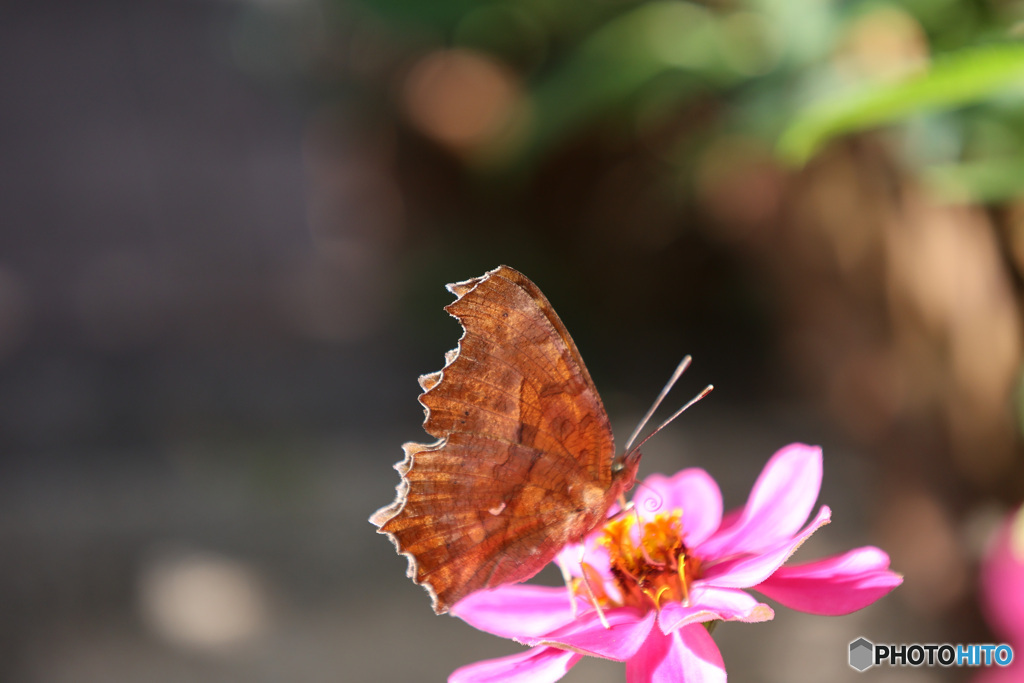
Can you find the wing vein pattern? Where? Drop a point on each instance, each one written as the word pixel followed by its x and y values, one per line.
pixel 521 432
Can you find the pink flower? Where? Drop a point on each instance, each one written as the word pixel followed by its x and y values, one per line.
pixel 1002 594
pixel 663 572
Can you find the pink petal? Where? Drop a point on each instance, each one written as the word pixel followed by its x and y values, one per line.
pixel 593 553
pixel 1002 580
pixel 629 627
pixel 516 611
pixel 749 570
pixel 687 655
pixel 779 503
pixel 536 665
pixel 730 519
pixel 674 615
pixel 692 491
pixel 708 603
pixel 835 585
pixel 598 558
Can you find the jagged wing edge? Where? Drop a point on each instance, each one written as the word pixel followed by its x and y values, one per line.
pixel 427 382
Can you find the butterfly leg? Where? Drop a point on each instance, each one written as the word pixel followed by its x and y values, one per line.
pixel 590 589
pixel 593 599
pixel 567 577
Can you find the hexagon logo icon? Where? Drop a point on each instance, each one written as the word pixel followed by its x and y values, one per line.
pixel 862 654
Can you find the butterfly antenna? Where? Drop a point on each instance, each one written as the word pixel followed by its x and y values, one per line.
pixel 680 369
pixel 666 423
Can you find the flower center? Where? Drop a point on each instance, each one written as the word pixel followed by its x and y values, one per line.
pixel 652 571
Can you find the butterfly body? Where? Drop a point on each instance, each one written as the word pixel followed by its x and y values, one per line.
pixel 524 458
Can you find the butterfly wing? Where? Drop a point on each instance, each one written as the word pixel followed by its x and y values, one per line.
pixel 522 464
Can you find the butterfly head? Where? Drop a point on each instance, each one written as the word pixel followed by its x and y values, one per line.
pixel 624 469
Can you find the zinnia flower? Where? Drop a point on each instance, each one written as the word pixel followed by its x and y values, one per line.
pixel 665 570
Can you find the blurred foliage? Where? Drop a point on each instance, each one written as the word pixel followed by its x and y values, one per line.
pixel 947 76
pixel 965 77
pixel 948 73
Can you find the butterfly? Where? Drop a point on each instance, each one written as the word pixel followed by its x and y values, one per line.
pixel 524 461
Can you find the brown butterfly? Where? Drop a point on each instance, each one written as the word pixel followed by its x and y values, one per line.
pixel 524 461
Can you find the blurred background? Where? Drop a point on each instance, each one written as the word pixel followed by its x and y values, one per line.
pixel 226 227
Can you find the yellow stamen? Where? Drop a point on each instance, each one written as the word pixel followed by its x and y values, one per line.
pixel 657 598
pixel 652 569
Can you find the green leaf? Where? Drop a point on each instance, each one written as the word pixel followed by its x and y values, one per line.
pixel 954 80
